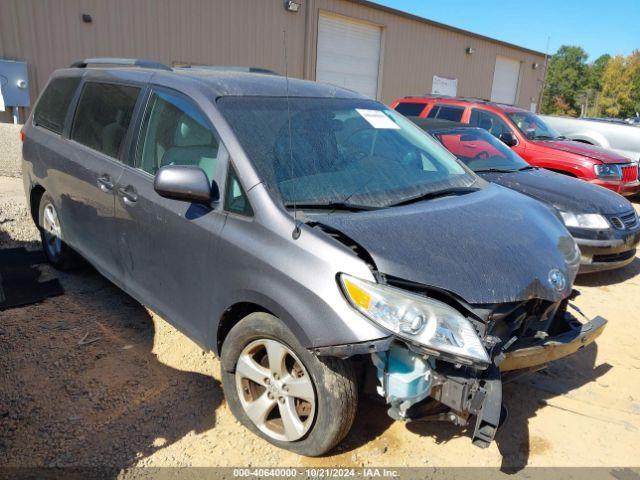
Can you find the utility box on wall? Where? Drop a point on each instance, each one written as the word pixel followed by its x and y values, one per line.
pixel 14 85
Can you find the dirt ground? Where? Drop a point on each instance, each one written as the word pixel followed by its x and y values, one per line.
pixel 138 393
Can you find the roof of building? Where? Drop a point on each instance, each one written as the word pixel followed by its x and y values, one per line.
pixel 418 18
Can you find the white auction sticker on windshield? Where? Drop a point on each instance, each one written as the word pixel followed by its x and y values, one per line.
pixel 377 119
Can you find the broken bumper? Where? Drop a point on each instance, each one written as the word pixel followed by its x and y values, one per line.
pixel 411 382
pixel 554 348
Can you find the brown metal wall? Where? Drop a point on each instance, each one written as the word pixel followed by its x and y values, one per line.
pixel 49 34
pixel 413 52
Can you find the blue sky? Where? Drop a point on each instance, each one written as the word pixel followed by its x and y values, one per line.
pixel 598 26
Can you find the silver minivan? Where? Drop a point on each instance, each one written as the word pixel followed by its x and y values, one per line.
pixel 309 236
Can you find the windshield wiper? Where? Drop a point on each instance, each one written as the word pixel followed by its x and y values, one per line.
pixel 496 170
pixel 527 167
pixel 435 194
pixel 544 137
pixel 350 207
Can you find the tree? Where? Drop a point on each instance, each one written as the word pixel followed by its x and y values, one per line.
pixel 594 85
pixel 596 69
pixel 617 95
pixel 634 64
pixel 565 81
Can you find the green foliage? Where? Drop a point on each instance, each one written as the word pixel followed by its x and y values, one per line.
pixel 596 69
pixel 621 86
pixel 634 65
pixel 566 79
pixel 616 87
pixel 610 86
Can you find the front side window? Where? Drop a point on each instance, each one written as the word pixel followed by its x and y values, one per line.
pixel 103 116
pixel 479 150
pixel 235 200
pixel 488 121
pixel 532 126
pixel 175 132
pixel 54 103
pixel 318 151
pixel 410 109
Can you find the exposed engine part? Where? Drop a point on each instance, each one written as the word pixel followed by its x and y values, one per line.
pixel 404 379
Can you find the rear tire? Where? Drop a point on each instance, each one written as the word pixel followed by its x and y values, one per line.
pixel 58 253
pixel 325 420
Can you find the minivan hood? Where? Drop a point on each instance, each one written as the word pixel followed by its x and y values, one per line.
pixel 584 149
pixel 490 246
pixel 565 193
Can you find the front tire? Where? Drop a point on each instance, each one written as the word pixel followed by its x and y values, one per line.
pixel 58 253
pixel 284 393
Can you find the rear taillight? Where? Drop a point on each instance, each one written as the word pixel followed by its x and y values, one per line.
pixel 22 136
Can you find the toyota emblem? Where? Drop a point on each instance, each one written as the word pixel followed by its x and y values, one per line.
pixel 557 280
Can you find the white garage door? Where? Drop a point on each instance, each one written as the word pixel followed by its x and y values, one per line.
pixel 505 80
pixel 348 54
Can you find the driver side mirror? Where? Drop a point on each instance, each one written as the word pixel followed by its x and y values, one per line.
pixel 508 139
pixel 187 183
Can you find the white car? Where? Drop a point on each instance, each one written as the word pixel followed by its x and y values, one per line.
pixel 622 139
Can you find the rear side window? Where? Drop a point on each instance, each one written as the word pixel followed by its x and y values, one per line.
pixel 174 132
pixel 445 112
pixel 103 116
pixel 409 109
pixel 54 103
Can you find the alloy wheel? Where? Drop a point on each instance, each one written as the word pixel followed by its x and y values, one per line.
pixel 275 390
pixel 52 231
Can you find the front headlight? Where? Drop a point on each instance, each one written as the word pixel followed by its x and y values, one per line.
pixel 584 220
pixel 415 318
pixel 608 172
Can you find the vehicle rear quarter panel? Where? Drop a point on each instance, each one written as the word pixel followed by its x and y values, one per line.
pixel 44 162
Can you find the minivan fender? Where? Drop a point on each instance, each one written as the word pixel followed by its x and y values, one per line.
pixel 244 302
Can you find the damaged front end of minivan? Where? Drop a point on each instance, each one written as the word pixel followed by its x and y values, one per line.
pixel 447 360
pixel 461 322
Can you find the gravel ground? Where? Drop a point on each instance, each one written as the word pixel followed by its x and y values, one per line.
pixel 10 150
pixel 91 378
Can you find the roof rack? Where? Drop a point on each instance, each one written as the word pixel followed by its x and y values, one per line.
pixel 468 99
pixel 232 68
pixel 477 99
pixel 130 62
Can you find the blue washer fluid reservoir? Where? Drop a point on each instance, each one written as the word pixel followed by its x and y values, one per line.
pixel 404 377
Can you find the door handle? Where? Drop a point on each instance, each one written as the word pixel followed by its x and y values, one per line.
pixel 128 195
pixel 105 183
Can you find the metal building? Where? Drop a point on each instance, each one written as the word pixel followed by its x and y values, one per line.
pixel 381 52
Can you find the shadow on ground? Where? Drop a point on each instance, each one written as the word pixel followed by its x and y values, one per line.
pixel 82 386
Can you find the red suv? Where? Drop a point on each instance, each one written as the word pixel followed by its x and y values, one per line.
pixel 531 138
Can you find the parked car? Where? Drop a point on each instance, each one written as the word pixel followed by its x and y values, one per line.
pixel 603 223
pixel 619 136
pixel 532 139
pixel 618 121
pixel 633 120
pixel 303 233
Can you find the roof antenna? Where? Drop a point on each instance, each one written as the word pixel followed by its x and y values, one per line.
pixel 296 229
